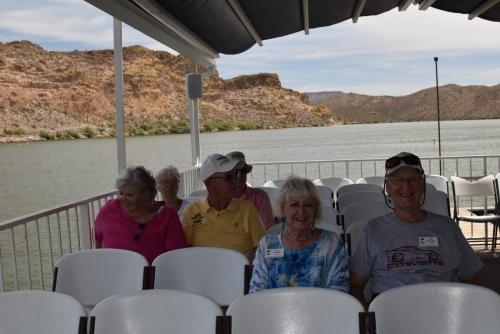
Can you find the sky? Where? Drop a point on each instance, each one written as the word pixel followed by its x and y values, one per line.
pixel 387 54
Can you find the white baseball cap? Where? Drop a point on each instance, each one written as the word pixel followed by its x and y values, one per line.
pixel 216 163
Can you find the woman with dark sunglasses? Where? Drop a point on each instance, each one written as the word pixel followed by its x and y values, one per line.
pixel 135 222
pixel 410 245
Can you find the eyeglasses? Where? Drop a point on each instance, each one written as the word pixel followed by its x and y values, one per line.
pixel 140 228
pixel 168 181
pixel 411 160
pixel 229 177
pixel 398 182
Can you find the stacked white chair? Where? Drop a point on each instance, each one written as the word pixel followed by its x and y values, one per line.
pixel 296 310
pixel 353 233
pixel 156 311
pixel 41 312
pixel 359 197
pixel 361 211
pixel 325 195
pixel 438 181
pixel 274 183
pixel 94 274
pixel 436 308
pixel 378 180
pixel 483 188
pixel 349 188
pixel 334 183
pixel 220 274
pixel 272 193
pixel 437 201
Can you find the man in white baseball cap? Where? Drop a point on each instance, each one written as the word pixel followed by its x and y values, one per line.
pixel 219 220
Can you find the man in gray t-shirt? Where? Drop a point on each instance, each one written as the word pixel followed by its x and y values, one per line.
pixel 410 245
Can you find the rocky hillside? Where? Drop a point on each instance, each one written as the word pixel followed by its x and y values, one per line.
pixel 456 102
pixel 56 95
pixel 64 95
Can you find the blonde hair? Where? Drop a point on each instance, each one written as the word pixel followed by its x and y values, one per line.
pixel 299 186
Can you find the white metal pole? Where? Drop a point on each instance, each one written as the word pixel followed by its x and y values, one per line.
pixel 120 119
pixel 195 131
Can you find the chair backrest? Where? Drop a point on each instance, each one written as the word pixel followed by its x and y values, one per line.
pixel 359 197
pixel 94 274
pixel 438 181
pixel 353 233
pixel 437 308
pixel 359 211
pixel 199 193
pixel 349 188
pixel 272 193
pixel 274 183
pixel 40 312
pixel 220 274
pixel 329 220
pixel 437 202
pixel 295 310
pixel 378 180
pixel 155 311
pixel 333 183
pixel 325 195
pixel 484 187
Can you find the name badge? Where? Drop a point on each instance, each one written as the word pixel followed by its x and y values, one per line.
pixel 428 242
pixel 274 253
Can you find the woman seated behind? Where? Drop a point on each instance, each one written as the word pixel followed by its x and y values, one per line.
pixel 135 222
pixel 299 254
pixel 167 183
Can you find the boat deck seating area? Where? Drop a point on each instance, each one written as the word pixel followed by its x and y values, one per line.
pixel 418 308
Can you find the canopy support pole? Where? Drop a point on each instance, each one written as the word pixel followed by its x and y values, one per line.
pixel 120 119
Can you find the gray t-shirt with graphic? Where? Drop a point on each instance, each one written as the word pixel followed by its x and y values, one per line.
pixel 394 253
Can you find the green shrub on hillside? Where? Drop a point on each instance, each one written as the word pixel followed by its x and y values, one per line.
pixel 88 132
pixel 45 135
pixel 179 126
pixel 15 131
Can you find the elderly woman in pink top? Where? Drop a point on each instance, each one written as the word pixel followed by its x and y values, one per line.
pixel 135 221
pixel 257 197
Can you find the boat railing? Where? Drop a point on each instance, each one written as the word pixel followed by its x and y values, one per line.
pixel 30 245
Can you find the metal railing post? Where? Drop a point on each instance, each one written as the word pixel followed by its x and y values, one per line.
pixel 85 233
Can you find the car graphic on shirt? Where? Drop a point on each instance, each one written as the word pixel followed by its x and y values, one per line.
pixel 412 256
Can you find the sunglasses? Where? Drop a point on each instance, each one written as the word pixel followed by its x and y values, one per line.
pixel 140 228
pixel 411 160
pixel 230 177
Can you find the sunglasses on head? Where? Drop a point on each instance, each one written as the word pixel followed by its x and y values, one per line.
pixel 411 160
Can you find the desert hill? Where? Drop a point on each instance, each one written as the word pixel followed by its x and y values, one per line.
pixel 58 95
pixel 70 94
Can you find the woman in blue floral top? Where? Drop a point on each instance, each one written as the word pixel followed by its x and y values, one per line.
pixel 299 254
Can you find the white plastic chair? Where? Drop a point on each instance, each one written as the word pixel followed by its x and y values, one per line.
pixel 349 188
pixel 437 202
pixel 353 233
pixel 438 181
pixel 483 188
pixel 94 274
pixel 329 220
pixel 199 193
pixel 155 311
pixel 378 180
pixel 360 211
pixel 325 195
pixel 220 274
pixel 272 193
pixel 296 310
pixel 437 308
pixel 274 183
pixel 41 312
pixel 334 183
pixel 359 197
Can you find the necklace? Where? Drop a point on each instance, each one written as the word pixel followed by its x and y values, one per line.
pixel 300 238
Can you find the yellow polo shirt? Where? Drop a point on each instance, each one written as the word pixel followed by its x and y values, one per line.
pixel 237 227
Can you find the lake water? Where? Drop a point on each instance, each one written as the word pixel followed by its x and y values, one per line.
pixel 39 175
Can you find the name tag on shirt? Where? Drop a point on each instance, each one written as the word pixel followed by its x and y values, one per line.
pixel 428 242
pixel 274 253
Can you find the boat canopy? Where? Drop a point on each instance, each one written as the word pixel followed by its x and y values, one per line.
pixel 202 29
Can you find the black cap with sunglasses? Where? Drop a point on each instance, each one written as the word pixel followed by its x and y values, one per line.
pixel 403 159
pixel 240 158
